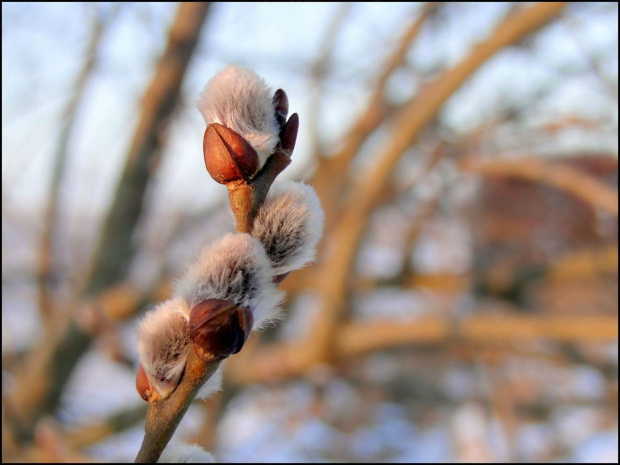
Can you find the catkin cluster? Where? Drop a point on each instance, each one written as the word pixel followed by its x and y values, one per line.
pixel 232 280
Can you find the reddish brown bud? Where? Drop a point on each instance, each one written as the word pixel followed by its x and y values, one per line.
pixel 228 156
pixel 280 104
pixel 218 328
pixel 288 135
pixel 144 386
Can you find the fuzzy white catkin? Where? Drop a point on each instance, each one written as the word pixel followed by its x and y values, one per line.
pixel 185 453
pixel 212 385
pixel 289 225
pixel 241 100
pixel 163 343
pixel 235 268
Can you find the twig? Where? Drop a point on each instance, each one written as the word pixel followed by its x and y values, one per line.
pixel 246 199
pixel 164 416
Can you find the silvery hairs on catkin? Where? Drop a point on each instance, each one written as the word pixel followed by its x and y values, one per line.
pixel 235 268
pixel 178 452
pixel 242 101
pixel 212 385
pixel 289 225
pixel 163 343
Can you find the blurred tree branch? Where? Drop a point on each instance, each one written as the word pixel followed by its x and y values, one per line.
pixel 286 361
pixel 49 366
pixel 408 123
pixel 318 71
pixel 375 114
pixel 46 259
pixel 335 166
pixel 558 175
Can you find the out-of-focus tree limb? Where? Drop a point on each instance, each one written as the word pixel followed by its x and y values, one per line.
pixel 358 339
pixel 583 263
pixel 336 166
pixel 318 71
pixel 45 263
pixel 93 433
pixel 205 435
pixel 362 338
pixel 120 302
pixel 563 177
pixel 117 248
pixel 407 125
pixel 579 264
pixel 372 117
pixel 50 366
pixel 87 435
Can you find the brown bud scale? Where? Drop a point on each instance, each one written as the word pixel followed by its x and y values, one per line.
pixel 280 105
pixel 228 156
pixel 288 135
pixel 218 328
pixel 144 386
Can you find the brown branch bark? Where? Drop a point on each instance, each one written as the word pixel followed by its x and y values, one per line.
pixel 558 175
pixel 407 125
pixel 163 418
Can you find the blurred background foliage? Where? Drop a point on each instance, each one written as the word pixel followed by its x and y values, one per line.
pixel 464 305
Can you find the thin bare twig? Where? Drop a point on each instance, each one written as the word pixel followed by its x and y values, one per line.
pixel 45 265
pixel 318 71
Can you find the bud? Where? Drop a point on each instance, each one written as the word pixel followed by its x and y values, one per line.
pixel 280 105
pixel 218 328
pixel 144 386
pixel 234 268
pixel 288 135
pixel 228 157
pixel 239 99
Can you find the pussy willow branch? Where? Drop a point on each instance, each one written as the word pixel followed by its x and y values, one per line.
pixel 163 417
pixel 246 199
